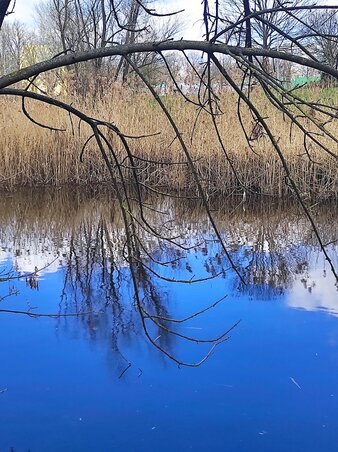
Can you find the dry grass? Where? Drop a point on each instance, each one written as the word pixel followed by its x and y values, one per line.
pixel 32 156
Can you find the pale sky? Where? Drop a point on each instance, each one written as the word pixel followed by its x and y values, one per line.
pixel 24 11
pixel 191 17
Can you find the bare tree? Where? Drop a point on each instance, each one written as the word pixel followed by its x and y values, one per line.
pixel 140 26
pixel 131 30
pixel 15 46
pixel 73 25
pixel 271 26
pixel 312 118
pixel 321 34
pixel 4 10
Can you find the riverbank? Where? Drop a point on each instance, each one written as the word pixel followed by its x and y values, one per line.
pixel 34 156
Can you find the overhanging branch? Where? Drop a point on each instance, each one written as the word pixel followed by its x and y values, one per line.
pixel 182 45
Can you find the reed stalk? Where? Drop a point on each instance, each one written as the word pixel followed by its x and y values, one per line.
pixel 34 156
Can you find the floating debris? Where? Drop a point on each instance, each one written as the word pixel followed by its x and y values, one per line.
pixel 295 383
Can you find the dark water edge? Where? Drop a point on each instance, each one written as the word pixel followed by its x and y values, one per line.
pixel 213 190
pixel 96 383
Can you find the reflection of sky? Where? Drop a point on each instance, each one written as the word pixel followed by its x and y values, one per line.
pixel 63 391
pixel 310 288
pixel 271 388
pixel 316 292
pixel 28 263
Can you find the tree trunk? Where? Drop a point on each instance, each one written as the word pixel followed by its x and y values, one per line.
pixel 4 5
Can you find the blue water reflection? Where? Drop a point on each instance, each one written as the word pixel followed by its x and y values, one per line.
pixel 95 383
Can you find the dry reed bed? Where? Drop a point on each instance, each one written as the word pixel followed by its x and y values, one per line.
pixel 33 156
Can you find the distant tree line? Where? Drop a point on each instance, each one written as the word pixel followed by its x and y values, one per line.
pixel 64 26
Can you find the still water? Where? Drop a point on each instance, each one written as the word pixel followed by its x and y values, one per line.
pixel 98 382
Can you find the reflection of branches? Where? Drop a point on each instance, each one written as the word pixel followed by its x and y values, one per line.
pixel 146 226
pixel 271 269
pixel 92 276
pixel 97 280
pixel 280 153
pixel 139 270
pixel 32 281
pixel 35 314
pixel 10 275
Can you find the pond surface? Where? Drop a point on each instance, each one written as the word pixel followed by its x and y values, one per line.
pixel 96 382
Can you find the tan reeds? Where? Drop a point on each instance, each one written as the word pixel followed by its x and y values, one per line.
pixel 33 156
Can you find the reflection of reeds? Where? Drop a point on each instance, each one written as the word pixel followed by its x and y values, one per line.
pixel 57 212
pixel 271 247
pixel 90 225
pixel 36 156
